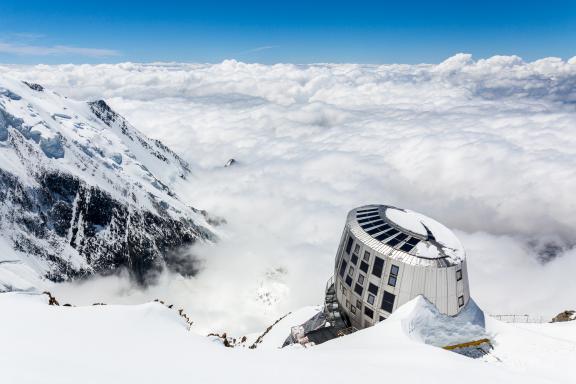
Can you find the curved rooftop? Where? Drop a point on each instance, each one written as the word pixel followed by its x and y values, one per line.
pixel 407 232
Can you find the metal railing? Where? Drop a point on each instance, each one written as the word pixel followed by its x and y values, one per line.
pixel 521 318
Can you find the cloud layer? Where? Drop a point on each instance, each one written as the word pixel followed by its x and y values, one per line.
pixel 487 147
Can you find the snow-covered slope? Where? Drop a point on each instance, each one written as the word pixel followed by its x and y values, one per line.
pixel 150 343
pixel 82 191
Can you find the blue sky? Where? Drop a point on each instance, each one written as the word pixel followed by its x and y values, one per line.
pixel 296 31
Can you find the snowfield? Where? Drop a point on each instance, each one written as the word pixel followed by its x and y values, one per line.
pixel 149 343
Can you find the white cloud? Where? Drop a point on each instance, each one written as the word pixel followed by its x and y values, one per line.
pixel 39 50
pixel 486 147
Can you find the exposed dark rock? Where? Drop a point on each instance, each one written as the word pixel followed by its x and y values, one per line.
pixel 564 316
pixel 230 163
pixel 110 234
pixel 34 86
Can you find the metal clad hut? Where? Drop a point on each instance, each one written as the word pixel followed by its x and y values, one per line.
pixel 388 256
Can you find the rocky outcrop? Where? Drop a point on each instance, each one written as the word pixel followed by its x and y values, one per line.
pixel 564 316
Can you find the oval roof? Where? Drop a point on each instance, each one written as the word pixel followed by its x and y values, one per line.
pixel 410 232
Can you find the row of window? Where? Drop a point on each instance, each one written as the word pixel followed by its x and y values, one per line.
pixel 371 223
pixel 387 304
pixel 347 270
pixel 388 298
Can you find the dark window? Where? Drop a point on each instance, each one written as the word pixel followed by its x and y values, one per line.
pixel 402 236
pixel 349 281
pixel 368 220
pixel 372 224
pixel 357 248
pixel 393 275
pixel 354 259
pixel 371 299
pixel 459 275
pixel 359 304
pixel 412 241
pixel 460 301
pixel 376 230
pixel 378 267
pixel 349 244
pixel 366 210
pixel 366 256
pixel 382 236
pixel 343 267
pixel 364 267
pixel 367 214
pixel 382 318
pixel 360 279
pixel 368 312
pixel 358 289
pixel 372 288
pixel 406 247
pixel 388 302
pixel 393 242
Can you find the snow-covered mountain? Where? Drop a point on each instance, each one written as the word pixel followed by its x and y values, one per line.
pixel 83 192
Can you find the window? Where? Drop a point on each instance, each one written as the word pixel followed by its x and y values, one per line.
pixel 349 244
pixel 388 302
pixel 351 271
pixel 377 229
pixel 349 281
pixel 460 301
pixel 343 267
pixel 353 310
pixel 378 267
pixel 381 318
pixel 359 304
pixel 347 304
pixel 372 224
pixel 368 312
pixel 373 288
pixel 354 259
pixel 371 299
pixel 366 257
pixel 459 275
pixel 406 247
pixel 393 275
pixel 402 236
pixel 359 289
pixel 364 267
pixel 357 248
pixel 360 279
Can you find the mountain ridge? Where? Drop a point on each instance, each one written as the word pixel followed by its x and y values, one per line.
pixel 84 192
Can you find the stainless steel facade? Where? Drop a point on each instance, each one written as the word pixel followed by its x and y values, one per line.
pixel 380 265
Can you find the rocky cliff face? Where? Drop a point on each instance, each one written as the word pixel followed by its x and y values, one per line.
pixel 83 192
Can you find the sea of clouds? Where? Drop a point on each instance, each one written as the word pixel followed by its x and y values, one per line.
pixel 488 147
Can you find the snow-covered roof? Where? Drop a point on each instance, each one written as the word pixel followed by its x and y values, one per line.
pixel 407 232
